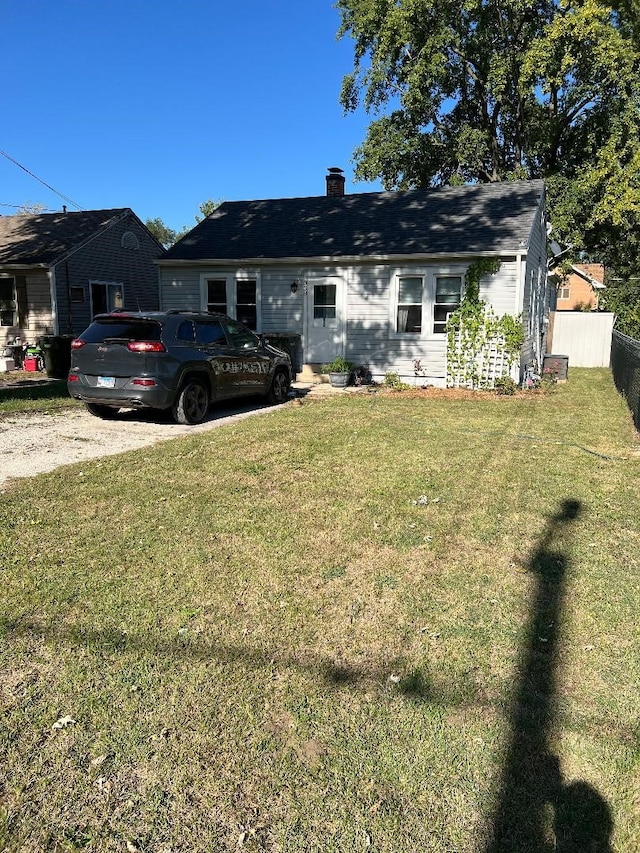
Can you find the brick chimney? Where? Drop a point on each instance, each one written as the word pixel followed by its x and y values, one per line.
pixel 335 181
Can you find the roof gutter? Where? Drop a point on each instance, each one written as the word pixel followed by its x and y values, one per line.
pixel 331 259
pixel 39 266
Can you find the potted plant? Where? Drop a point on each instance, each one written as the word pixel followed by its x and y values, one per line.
pixel 339 371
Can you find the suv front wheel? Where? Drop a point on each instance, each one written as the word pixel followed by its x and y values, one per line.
pixel 279 390
pixel 192 403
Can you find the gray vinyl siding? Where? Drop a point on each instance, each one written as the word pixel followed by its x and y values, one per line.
pixel 180 289
pixel 535 291
pixel 281 310
pixel 105 259
pixel 501 289
pixel 369 326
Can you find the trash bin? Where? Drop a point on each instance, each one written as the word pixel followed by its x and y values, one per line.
pixel 57 355
pixel 289 343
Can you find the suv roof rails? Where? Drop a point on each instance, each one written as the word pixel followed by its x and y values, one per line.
pixel 181 311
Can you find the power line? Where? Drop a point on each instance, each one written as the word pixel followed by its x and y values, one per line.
pixel 44 183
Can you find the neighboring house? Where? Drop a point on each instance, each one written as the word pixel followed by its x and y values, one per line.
pixel 371 276
pixel 579 289
pixel 59 269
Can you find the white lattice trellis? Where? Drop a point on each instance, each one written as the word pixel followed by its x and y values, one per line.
pixel 477 370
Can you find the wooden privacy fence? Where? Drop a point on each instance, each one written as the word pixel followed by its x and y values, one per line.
pixel 583 336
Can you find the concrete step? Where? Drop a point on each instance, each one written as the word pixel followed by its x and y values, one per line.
pixel 311 373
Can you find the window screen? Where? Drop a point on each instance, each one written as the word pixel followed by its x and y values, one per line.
pixel 409 317
pixel 324 301
pixel 246 308
pixel 448 296
pixel 217 295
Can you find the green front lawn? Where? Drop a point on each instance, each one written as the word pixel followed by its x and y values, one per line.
pixel 32 397
pixel 372 622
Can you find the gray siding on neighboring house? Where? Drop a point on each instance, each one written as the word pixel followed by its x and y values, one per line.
pixel 35 317
pixel 105 259
pixel 39 316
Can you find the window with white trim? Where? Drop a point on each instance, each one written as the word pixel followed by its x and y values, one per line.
pixel 410 297
pixel 235 294
pixel 564 293
pixel 325 302
pixel 217 295
pixel 106 296
pixel 425 299
pixel 8 302
pixel 448 295
pixel 246 302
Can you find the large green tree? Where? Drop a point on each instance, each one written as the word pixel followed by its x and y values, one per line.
pixel 164 235
pixel 168 236
pixel 491 90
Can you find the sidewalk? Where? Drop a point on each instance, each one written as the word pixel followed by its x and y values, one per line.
pixel 319 390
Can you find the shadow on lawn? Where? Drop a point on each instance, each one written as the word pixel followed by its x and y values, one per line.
pixel 532 793
pixel 535 811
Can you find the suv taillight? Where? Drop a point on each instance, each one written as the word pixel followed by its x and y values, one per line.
pixel 77 343
pixel 145 346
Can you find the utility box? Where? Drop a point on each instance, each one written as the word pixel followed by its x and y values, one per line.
pixel 555 367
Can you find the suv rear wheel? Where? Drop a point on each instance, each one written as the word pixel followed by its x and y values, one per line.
pixel 104 412
pixel 192 403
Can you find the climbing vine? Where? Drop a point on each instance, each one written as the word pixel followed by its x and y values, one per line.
pixel 481 347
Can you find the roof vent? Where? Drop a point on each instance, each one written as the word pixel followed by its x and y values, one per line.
pixel 335 181
pixel 129 241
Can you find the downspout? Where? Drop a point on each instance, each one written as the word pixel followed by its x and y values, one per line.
pixel 519 305
pixel 54 300
pixel 520 264
pixel 69 309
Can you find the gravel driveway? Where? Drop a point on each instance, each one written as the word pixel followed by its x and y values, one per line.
pixel 32 444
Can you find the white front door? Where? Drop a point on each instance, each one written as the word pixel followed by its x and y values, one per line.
pixel 325 321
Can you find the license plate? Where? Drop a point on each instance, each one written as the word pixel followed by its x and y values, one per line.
pixel 106 382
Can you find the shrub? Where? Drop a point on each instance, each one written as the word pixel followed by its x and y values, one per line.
pixel 392 380
pixel 504 386
pixel 338 365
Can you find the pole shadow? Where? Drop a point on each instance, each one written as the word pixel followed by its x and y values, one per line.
pixel 535 811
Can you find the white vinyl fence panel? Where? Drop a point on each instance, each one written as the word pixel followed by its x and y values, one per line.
pixel 583 336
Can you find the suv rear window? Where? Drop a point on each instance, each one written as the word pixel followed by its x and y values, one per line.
pixel 128 330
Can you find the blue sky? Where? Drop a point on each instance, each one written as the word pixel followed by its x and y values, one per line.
pixel 161 105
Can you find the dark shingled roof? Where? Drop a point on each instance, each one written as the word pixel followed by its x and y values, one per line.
pixel 448 220
pixel 43 238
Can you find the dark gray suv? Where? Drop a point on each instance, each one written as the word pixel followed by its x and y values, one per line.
pixel 177 360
